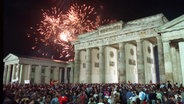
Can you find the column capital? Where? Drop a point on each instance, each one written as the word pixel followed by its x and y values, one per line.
pixel 158 37
pixel 77 55
pixel 77 52
pixel 102 47
pixel 166 41
pixel 121 44
pixel 139 40
pixel 88 49
pixel 158 40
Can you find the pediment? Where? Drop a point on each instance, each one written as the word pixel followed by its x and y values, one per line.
pixel 10 57
pixel 175 24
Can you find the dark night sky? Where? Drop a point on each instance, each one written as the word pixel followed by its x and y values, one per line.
pixel 19 15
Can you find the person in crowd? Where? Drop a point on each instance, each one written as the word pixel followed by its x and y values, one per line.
pixel 82 99
pixel 111 93
pixel 55 99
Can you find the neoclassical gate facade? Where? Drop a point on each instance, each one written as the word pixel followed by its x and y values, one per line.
pixel 122 52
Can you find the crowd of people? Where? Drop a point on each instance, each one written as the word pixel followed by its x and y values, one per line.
pixel 112 93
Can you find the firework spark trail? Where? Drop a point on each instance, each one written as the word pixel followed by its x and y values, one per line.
pixel 63 4
pixel 58 29
pixel 80 19
pixel 51 34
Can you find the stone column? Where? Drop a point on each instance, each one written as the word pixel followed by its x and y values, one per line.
pixel 175 65
pixel 101 64
pixel 122 68
pixel 179 65
pixel 5 74
pixel 38 74
pixel 47 75
pixel 65 75
pixel 71 74
pixel 140 62
pixel 77 66
pixel 60 73
pixel 29 72
pixel 20 74
pixel 13 73
pixel 56 73
pixel 8 74
pixel 181 49
pixel 168 62
pixel 18 71
pixel 88 65
pixel 160 59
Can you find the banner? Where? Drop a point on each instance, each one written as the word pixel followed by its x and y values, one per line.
pixel 26 81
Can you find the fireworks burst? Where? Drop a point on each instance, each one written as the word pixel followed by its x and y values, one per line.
pixel 81 18
pixel 58 29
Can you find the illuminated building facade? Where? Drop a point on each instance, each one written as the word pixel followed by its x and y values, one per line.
pixel 22 69
pixel 137 51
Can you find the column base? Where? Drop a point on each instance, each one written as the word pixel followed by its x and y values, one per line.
pixel 169 77
pixel 162 79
